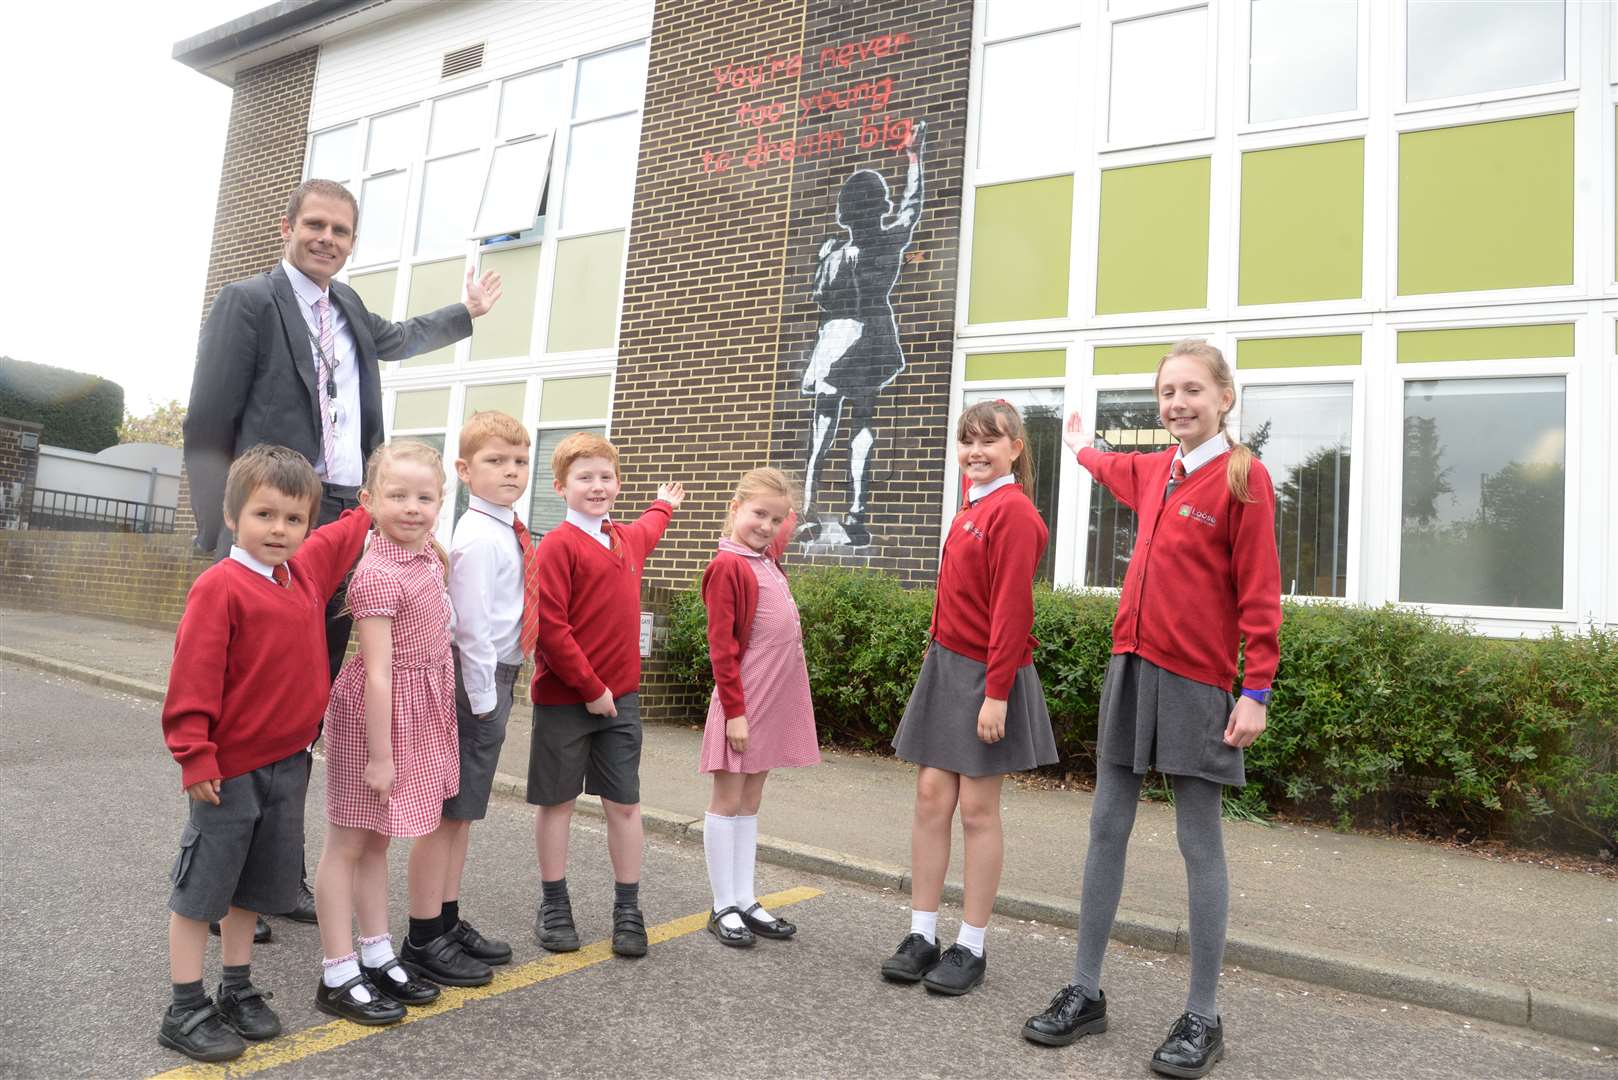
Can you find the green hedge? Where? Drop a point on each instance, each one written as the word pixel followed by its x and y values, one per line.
pixel 1373 707
pixel 78 411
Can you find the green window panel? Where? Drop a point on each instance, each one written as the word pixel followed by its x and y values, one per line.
pixel 1329 350
pixel 509 326
pixel 989 367
pixel 1022 238
pixel 584 300
pixel 432 286
pixel 1130 359
pixel 587 398
pixel 1486 206
pixel 420 409
pixel 1485 343
pixel 502 397
pixel 1303 223
pixel 1154 238
pixel 376 290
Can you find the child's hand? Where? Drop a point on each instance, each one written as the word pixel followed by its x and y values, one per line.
pixel 1246 723
pixel 1073 431
pixel 673 494
pixel 602 706
pixel 736 733
pixel 992 720
pixel 204 791
pixel 378 776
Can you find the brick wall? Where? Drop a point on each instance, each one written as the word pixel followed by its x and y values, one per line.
pixel 135 577
pixel 18 468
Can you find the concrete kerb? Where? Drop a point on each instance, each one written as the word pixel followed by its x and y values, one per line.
pixel 1506 1003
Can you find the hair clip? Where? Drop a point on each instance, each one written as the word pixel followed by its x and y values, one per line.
pixel 1001 401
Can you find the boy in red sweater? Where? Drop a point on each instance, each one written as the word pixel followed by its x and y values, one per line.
pixel 244 702
pixel 586 733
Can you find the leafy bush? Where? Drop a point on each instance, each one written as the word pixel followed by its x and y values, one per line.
pixel 1374 707
pixel 77 411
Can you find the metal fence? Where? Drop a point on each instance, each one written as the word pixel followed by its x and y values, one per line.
pixel 72 512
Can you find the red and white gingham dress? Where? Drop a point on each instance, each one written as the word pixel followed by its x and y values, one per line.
pixel 407 587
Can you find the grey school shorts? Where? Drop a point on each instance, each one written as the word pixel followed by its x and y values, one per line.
pixel 247 852
pixel 480 742
pixel 571 749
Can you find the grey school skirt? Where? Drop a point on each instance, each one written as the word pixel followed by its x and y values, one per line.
pixel 1154 719
pixel 940 725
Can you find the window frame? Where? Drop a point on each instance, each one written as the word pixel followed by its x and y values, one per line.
pixel 1105 142
pixel 1244 86
pixel 1402 105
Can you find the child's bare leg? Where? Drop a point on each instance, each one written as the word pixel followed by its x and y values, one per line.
pixel 334 888
pixel 753 792
pixel 937 791
pixel 428 869
pixel 462 836
pixel 551 824
pixel 626 839
pixel 188 941
pixel 985 845
pixel 726 800
pixel 236 936
pixel 371 886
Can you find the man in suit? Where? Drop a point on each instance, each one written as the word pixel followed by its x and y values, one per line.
pixel 291 357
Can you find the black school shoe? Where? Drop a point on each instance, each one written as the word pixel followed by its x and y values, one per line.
pixel 337 1001
pixel 738 937
pixel 779 929
pixel 1192 1049
pixel 412 991
pixel 200 1034
pixel 628 930
pixel 914 958
pixel 261 930
pixel 304 910
pixel 491 952
pixel 444 961
pixel 553 926
pixel 956 972
pixel 244 1009
pixel 1069 1016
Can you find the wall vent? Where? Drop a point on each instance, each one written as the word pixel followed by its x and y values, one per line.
pixel 460 61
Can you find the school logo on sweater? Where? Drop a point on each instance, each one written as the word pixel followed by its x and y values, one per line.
pixel 1189 511
pixel 971 529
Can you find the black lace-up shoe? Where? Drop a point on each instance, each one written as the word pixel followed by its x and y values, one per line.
pixel 412 991
pixel 956 972
pixel 553 926
pixel 1069 1016
pixel 340 1001
pixel 200 1034
pixel 261 930
pixel 914 958
pixel 628 931
pixel 1192 1049
pixel 443 961
pixel 244 1009
pixel 491 952
pixel 304 910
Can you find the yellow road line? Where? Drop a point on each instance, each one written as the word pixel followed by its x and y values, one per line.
pixel 330 1036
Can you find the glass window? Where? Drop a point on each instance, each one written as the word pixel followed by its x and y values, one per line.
pixel 600 174
pixel 1125 420
pixel 1302 434
pixel 394 139
pixel 432 286
pixel 1022 243
pixel 420 409
pixel 1484 491
pixel 460 122
pixel 1042 416
pixel 382 212
pixel 546 510
pixel 1029 117
pixel 331 154
pixel 1159 78
pixel 1456 47
pixel 1305 59
pixel 1008 18
pixel 517 175
pixel 531 104
pixel 612 82
pixel 449 195
pixel 504 397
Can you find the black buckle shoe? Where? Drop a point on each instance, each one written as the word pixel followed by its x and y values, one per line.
pixel 1192 1049
pixel 412 991
pixel 914 958
pixel 628 931
pixel 304 910
pixel 443 961
pixel 553 926
pixel 244 1009
pixel 779 929
pixel 491 952
pixel 200 1034
pixel 261 930
pixel 956 972
pixel 1069 1016
pixel 739 937
pixel 337 1001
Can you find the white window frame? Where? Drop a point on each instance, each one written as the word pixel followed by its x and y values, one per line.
pixel 1244 83
pixel 1400 58
pixel 1211 98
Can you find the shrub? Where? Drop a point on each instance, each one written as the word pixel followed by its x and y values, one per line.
pixel 1374 707
pixel 79 412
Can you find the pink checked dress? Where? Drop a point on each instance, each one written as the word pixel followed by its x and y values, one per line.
pixel 775 683
pixel 407 587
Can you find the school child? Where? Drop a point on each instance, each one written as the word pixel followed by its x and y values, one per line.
pixel 760 717
pixel 586 732
pixel 486 592
pixel 977 711
pixel 391 755
pixel 1204 578
pixel 243 704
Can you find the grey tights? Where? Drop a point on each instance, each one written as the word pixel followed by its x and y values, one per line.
pixel 1196 825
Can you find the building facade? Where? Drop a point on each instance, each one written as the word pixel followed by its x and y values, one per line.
pixel 808 232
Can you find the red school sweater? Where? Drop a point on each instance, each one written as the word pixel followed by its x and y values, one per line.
pixel 985 603
pixel 249 681
pixel 1205 574
pixel 730 595
pixel 589 609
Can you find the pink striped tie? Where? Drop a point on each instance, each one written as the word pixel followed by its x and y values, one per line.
pixel 323 376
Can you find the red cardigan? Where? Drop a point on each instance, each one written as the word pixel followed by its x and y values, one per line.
pixel 730 593
pixel 985 604
pixel 249 682
pixel 589 610
pixel 1205 575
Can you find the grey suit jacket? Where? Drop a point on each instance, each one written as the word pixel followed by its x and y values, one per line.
pixel 255 379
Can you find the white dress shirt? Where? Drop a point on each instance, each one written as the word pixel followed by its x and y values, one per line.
pixel 486 591
pixel 591 524
pixel 240 555
pixel 1203 454
pixel 978 491
pixel 348 468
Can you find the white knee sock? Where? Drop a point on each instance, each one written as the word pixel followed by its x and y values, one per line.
pixel 746 860
pixel 339 971
pixel 719 845
pixel 378 951
pixel 925 923
pixel 971 938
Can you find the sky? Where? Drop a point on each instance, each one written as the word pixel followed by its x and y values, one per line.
pixel 112 163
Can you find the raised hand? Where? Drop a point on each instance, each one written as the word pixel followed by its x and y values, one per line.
pixel 482 293
pixel 1073 431
pixel 673 494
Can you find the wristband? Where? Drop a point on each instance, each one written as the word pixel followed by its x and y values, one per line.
pixel 1260 696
